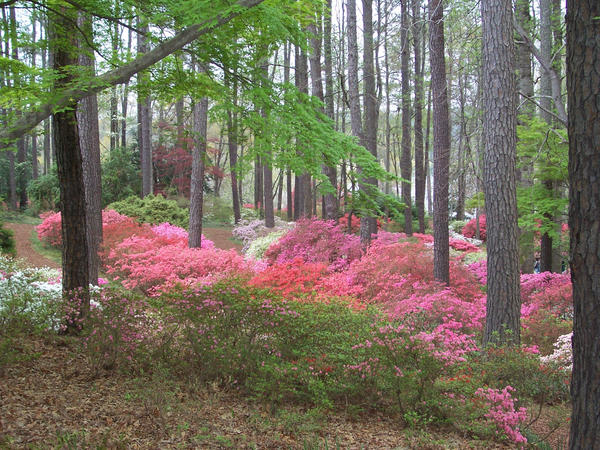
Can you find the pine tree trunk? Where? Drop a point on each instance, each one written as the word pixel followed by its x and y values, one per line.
pixel 75 274
pixel 232 146
pixel 144 124
pixel 583 89
pixel 89 140
pixel 197 181
pixel 500 126
pixel 406 158
pixel 441 142
pixel 418 124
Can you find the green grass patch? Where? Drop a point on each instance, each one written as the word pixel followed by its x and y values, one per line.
pixel 19 217
pixel 52 253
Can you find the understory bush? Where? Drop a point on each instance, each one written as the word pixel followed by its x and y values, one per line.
pixel 152 209
pixel 7 242
pixel 470 229
pixel 316 241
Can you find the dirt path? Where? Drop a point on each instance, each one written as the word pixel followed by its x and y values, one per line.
pixel 25 250
pixel 221 237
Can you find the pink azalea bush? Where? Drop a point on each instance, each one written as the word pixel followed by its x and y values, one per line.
pixel 49 231
pixel 387 274
pixel 470 229
pixel 316 241
pixel 154 265
pixel 503 412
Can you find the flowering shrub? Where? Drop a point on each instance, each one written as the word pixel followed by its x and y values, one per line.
pixel 355 225
pixel 259 246
pixel 316 241
pixel 471 227
pixel 462 246
pixel 292 278
pixel 390 273
pixel 563 353
pixel 248 231
pixel 49 231
pixel 503 413
pixel 156 264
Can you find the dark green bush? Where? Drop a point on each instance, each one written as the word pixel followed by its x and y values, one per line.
pixel 121 176
pixel 44 192
pixel 152 209
pixel 7 242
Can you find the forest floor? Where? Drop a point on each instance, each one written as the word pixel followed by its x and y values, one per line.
pixel 52 397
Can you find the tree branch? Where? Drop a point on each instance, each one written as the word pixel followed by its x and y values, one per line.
pixel 120 75
pixel 560 119
pixel 555 80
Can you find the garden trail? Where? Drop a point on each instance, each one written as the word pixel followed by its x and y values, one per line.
pixel 25 250
pixel 221 238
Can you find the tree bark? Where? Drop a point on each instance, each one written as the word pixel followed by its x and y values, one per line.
pixel 500 125
pixel 89 140
pixel 583 90
pixel 418 125
pixel 441 142
pixel 406 157
pixel 197 182
pixel 232 130
pixel 75 274
pixel 144 124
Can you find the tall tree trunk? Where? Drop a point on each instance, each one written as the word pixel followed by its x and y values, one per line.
pixel 267 175
pixel 125 97
pixel 418 126
pixel 330 206
pixel 144 124
pixel 302 194
pixel 406 158
pixel 426 162
pixel 232 130
pixel 460 201
pixel 89 140
pixel 583 89
pixel 500 133
pixel 368 225
pixel 197 182
pixel 75 274
pixel 441 142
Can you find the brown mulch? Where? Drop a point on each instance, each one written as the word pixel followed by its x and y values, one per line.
pixel 25 250
pixel 57 396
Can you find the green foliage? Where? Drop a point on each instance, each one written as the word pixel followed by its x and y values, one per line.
pixel 259 246
pixel 44 192
pixel 458 225
pixel 476 202
pixel 545 150
pixel 7 241
pixel 120 175
pixel 152 209
pixel 498 367
pixel 217 210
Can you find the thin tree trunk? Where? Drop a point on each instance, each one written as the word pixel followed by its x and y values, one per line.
pixel 232 133
pixel 420 177
pixel 144 124
pixel 197 182
pixel 125 97
pixel 406 158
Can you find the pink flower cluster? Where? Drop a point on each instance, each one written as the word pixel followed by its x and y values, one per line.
pixel 469 230
pixel 316 241
pixel 503 413
pixel 157 264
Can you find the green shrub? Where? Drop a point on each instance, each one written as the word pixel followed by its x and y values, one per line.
pixel 152 209
pixel 217 210
pixel 44 192
pixel 120 175
pixel 7 242
pixel 458 225
pixel 259 246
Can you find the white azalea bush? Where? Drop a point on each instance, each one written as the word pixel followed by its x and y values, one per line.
pixel 29 295
pixel 563 353
pixel 259 246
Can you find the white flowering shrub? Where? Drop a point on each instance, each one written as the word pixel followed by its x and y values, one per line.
pixel 30 295
pixel 563 353
pixel 259 246
pixel 249 231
